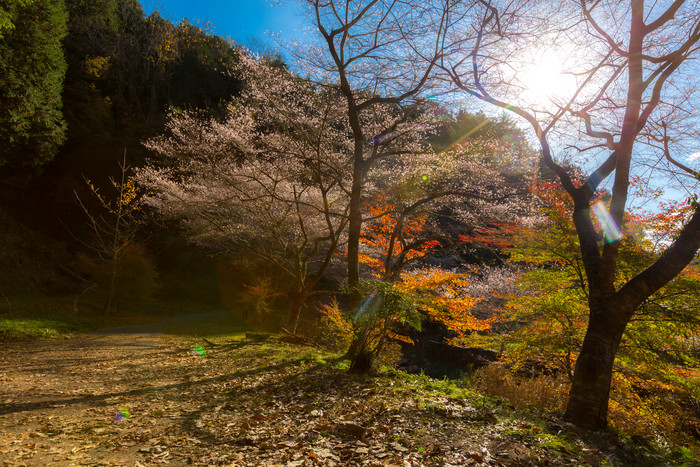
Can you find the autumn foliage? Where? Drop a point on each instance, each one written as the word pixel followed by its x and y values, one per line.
pixel 441 291
pixel 546 319
pixel 399 302
pixel 388 241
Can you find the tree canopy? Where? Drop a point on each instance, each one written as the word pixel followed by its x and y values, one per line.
pixel 32 69
pixel 624 106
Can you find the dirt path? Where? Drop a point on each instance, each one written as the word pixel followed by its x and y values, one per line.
pixel 92 401
pixel 137 399
pixel 121 396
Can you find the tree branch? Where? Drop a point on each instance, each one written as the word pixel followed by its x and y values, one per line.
pixel 669 265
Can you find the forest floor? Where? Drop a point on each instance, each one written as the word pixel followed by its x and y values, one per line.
pixel 141 396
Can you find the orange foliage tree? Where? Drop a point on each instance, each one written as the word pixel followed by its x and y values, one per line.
pixel 393 239
pixel 406 297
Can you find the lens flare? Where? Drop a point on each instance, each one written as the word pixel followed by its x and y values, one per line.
pixel 610 229
pixel 122 414
pixel 198 351
pixel 369 305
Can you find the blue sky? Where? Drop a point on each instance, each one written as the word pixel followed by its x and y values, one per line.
pixel 238 19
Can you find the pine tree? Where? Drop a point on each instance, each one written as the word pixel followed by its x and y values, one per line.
pixel 32 68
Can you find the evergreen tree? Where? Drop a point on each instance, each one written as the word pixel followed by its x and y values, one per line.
pixel 8 14
pixel 32 69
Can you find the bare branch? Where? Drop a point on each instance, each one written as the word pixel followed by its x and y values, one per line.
pixel 667 153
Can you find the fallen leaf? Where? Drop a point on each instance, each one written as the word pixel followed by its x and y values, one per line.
pixel 353 429
pixel 398 447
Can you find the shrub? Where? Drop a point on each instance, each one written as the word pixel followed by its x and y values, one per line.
pixel 131 276
pixel 375 323
pixel 544 392
pixel 334 329
pixel 256 300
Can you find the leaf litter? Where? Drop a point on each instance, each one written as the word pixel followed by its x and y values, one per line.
pixel 125 400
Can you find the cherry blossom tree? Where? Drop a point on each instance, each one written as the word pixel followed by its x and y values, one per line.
pixel 439 199
pixel 274 177
pixel 380 54
pixel 269 179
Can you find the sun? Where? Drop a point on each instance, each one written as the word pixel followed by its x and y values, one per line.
pixel 544 80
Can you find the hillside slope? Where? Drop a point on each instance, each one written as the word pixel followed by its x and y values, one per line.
pixel 31 262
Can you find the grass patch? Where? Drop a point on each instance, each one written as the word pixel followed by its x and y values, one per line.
pixel 41 317
pixel 32 318
pixel 33 329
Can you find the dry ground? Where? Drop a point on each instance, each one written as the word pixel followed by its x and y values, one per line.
pixel 145 399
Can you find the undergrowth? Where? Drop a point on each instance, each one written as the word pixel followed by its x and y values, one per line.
pixel 543 392
pixel 653 426
pixel 39 317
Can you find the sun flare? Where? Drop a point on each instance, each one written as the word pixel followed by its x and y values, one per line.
pixel 545 79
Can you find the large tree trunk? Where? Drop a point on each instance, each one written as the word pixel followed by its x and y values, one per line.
pixel 590 388
pixel 354 231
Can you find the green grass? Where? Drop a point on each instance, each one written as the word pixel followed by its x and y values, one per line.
pixel 33 329
pixel 32 318
pixel 40 317
pixel 39 328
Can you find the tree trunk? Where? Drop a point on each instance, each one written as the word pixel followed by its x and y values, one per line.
pixel 111 292
pixel 590 388
pixel 357 344
pixel 355 228
pixel 295 309
pixel 361 358
pixel 108 306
